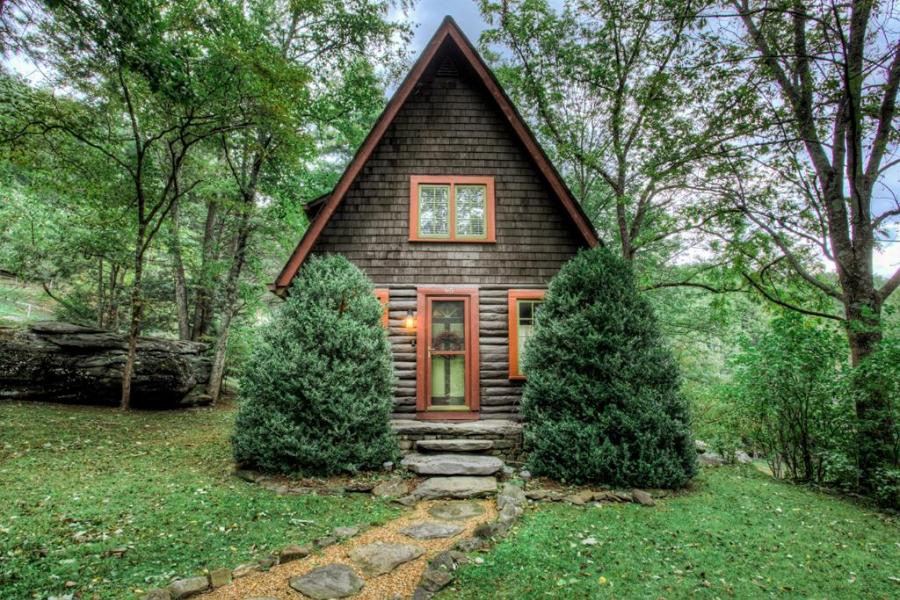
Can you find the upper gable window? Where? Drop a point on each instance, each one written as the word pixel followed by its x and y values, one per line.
pixel 451 208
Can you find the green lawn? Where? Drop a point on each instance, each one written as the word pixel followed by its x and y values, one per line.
pixel 737 534
pixel 78 482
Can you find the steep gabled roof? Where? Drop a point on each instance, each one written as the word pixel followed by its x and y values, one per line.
pixel 450 32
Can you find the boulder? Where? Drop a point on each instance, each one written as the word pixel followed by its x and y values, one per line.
pixel 511 495
pixel 456 487
pixel 345 532
pixel 452 464
pixel 292 553
pixel 158 594
pixel 392 488
pixel 244 570
pixel 580 498
pixel 642 498
pixel 185 588
pixel 470 544
pixel 430 530
pixel 219 577
pixel 380 558
pixel 742 457
pixel 456 511
pixel 61 362
pixel 330 581
pixel 710 459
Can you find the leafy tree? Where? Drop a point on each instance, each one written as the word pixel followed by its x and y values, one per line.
pixel 316 396
pixel 630 101
pixel 161 87
pixel 786 392
pixel 832 74
pixel 602 401
pixel 294 40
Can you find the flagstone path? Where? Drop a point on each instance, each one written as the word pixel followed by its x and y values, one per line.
pixel 400 582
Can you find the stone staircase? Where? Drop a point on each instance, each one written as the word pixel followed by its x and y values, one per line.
pixel 497 437
pixel 453 469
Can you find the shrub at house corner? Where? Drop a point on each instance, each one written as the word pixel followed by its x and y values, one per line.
pixel 602 401
pixel 316 393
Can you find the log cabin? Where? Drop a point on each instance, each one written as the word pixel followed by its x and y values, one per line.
pixel 456 213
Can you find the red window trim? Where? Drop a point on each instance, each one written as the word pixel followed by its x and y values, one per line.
pixel 423 334
pixel 452 181
pixel 513 324
pixel 383 296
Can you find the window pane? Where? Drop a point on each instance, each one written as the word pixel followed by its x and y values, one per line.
pixel 434 210
pixel 471 214
pixel 527 310
pixel 448 380
pixel 448 326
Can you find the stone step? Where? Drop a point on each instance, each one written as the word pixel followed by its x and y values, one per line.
pixel 452 464
pixel 497 427
pixel 459 487
pixel 454 445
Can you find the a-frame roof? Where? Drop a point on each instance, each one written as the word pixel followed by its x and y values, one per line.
pixel 450 32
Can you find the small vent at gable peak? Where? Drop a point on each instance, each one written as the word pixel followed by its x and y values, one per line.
pixel 447 68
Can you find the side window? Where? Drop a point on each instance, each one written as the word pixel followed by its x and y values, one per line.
pixel 523 306
pixel 384 297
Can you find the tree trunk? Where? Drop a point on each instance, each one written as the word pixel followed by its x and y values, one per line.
pixel 875 422
pixel 217 374
pixel 181 303
pixel 203 303
pixel 116 280
pixel 137 309
pixel 101 294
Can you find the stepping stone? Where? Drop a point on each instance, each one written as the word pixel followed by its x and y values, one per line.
pixel 456 487
pixel 456 511
pixel 452 464
pixel 454 445
pixel 431 530
pixel 380 558
pixel 331 581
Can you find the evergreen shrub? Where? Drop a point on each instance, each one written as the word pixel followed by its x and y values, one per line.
pixel 316 393
pixel 602 401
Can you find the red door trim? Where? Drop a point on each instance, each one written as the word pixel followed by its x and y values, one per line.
pixel 472 359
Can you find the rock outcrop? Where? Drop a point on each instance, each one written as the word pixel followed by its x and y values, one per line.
pixel 61 362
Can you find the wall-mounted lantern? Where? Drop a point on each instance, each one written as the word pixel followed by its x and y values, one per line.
pixel 409 322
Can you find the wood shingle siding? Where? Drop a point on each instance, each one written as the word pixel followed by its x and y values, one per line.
pixel 451 126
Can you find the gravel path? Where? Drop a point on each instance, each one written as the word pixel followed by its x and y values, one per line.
pixel 401 581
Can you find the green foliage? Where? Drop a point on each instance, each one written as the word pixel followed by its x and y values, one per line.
pixel 878 376
pixel 80 484
pixel 789 404
pixel 736 534
pixel 317 392
pixel 602 401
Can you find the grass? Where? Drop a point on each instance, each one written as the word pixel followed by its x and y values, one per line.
pixel 737 534
pixel 21 303
pixel 77 483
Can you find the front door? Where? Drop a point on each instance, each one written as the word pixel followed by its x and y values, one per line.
pixel 447 354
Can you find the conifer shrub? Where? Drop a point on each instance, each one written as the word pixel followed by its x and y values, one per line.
pixel 316 393
pixel 602 402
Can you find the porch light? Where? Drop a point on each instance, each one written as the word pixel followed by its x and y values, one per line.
pixel 409 322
